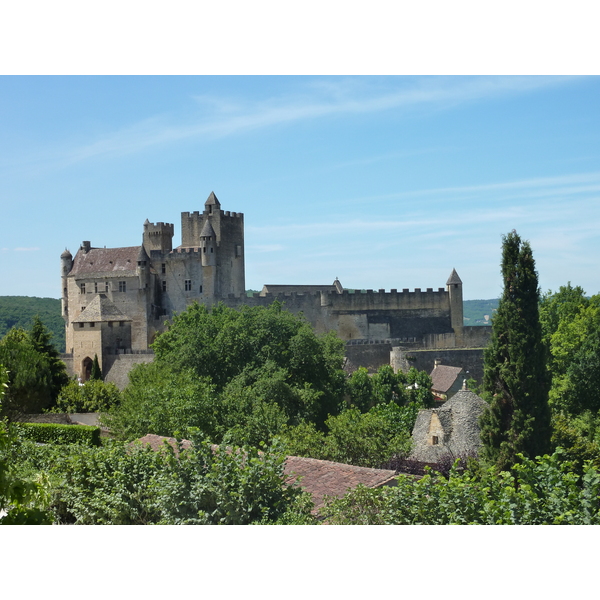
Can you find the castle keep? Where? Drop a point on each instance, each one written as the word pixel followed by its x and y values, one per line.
pixel 115 300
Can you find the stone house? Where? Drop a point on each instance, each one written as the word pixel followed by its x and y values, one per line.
pixel 446 381
pixel 450 430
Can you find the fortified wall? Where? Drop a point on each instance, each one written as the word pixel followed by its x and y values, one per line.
pixel 116 300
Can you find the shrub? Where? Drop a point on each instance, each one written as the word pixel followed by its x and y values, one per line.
pixel 51 433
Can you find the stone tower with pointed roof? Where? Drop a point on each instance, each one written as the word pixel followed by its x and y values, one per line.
pixel 115 300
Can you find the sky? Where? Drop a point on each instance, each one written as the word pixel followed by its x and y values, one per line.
pixel 382 181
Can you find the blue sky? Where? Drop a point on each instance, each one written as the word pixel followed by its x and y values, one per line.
pixel 384 182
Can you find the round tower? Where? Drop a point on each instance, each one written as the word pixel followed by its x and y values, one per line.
pixel 66 264
pixel 208 249
pixel 454 288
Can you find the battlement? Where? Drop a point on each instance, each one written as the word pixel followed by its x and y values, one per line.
pixel 159 228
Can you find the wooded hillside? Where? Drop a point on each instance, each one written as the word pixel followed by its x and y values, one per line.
pixel 18 311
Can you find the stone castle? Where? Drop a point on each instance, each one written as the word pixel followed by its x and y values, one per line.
pixel 115 300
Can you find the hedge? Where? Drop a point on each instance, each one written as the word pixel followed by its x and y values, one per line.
pixel 52 433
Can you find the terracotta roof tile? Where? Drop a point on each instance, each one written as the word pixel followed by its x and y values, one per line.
pixel 443 377
pixel 103 261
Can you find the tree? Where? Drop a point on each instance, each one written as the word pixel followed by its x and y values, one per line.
pixel 515 373
pixel 29 374
pixel 41 339
pixel 19 499
pixel 224 346
pixel 96 373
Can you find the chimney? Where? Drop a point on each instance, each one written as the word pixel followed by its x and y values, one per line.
pixel 86 246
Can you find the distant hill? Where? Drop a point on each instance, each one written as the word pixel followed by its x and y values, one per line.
pixel 475 311
pixel 18 311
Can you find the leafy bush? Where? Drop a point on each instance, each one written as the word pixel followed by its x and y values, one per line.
pixel 93 396
pixel 544 491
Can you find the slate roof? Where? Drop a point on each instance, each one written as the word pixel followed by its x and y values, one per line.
pixel 212 199
pixel 207 230
pixel 454 278
pixel 443 377
pixel 317 477
pixel 101 309
pixel 102 262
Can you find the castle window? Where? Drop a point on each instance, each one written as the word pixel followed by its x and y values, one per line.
pixel 211 249
pixel 204 249
pixel 122 286
pixel 164 286
pixel 80 325
pixel 435 440
pixel 110 323
pixel 164 268
pixel 106 286
pixel 121 324
pixel 82 288
pixel 92 324
pixel 188 285
pixel 95 287
pixel 200 289
pixel 238 251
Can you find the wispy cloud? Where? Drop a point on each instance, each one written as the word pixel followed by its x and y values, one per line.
pixel 222 116
pixel 22 249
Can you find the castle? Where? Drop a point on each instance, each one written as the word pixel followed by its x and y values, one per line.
pixel 115 300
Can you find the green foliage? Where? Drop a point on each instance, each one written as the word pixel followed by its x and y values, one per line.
pixel 228 486
pixel 96 373
pixel 21 500
pixel 93 396
pixel 515 375
pixel 53 433
pixel 29 374
pixel 366 440
pixel 385 386
pixel 544 491
pixel 41 340
pixel 19 312
pixel 161 401
pixel 224 343
pixel 130 484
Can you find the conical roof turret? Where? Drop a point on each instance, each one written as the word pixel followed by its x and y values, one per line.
pixel 207 230
pixel 454 278
pixel 66 254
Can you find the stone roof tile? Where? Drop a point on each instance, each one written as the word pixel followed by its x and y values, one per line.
pixel 101 309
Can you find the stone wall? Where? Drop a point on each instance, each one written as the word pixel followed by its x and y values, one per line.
pixel 470 359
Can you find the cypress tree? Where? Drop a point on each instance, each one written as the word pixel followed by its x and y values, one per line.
pixel 515 373
pixel 96 372
pixel 41 338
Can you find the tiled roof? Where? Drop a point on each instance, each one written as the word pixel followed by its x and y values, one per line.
pixel 319 478
pixel 325 478
pixel 443 377
pixel 103 261
pixel 100 309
